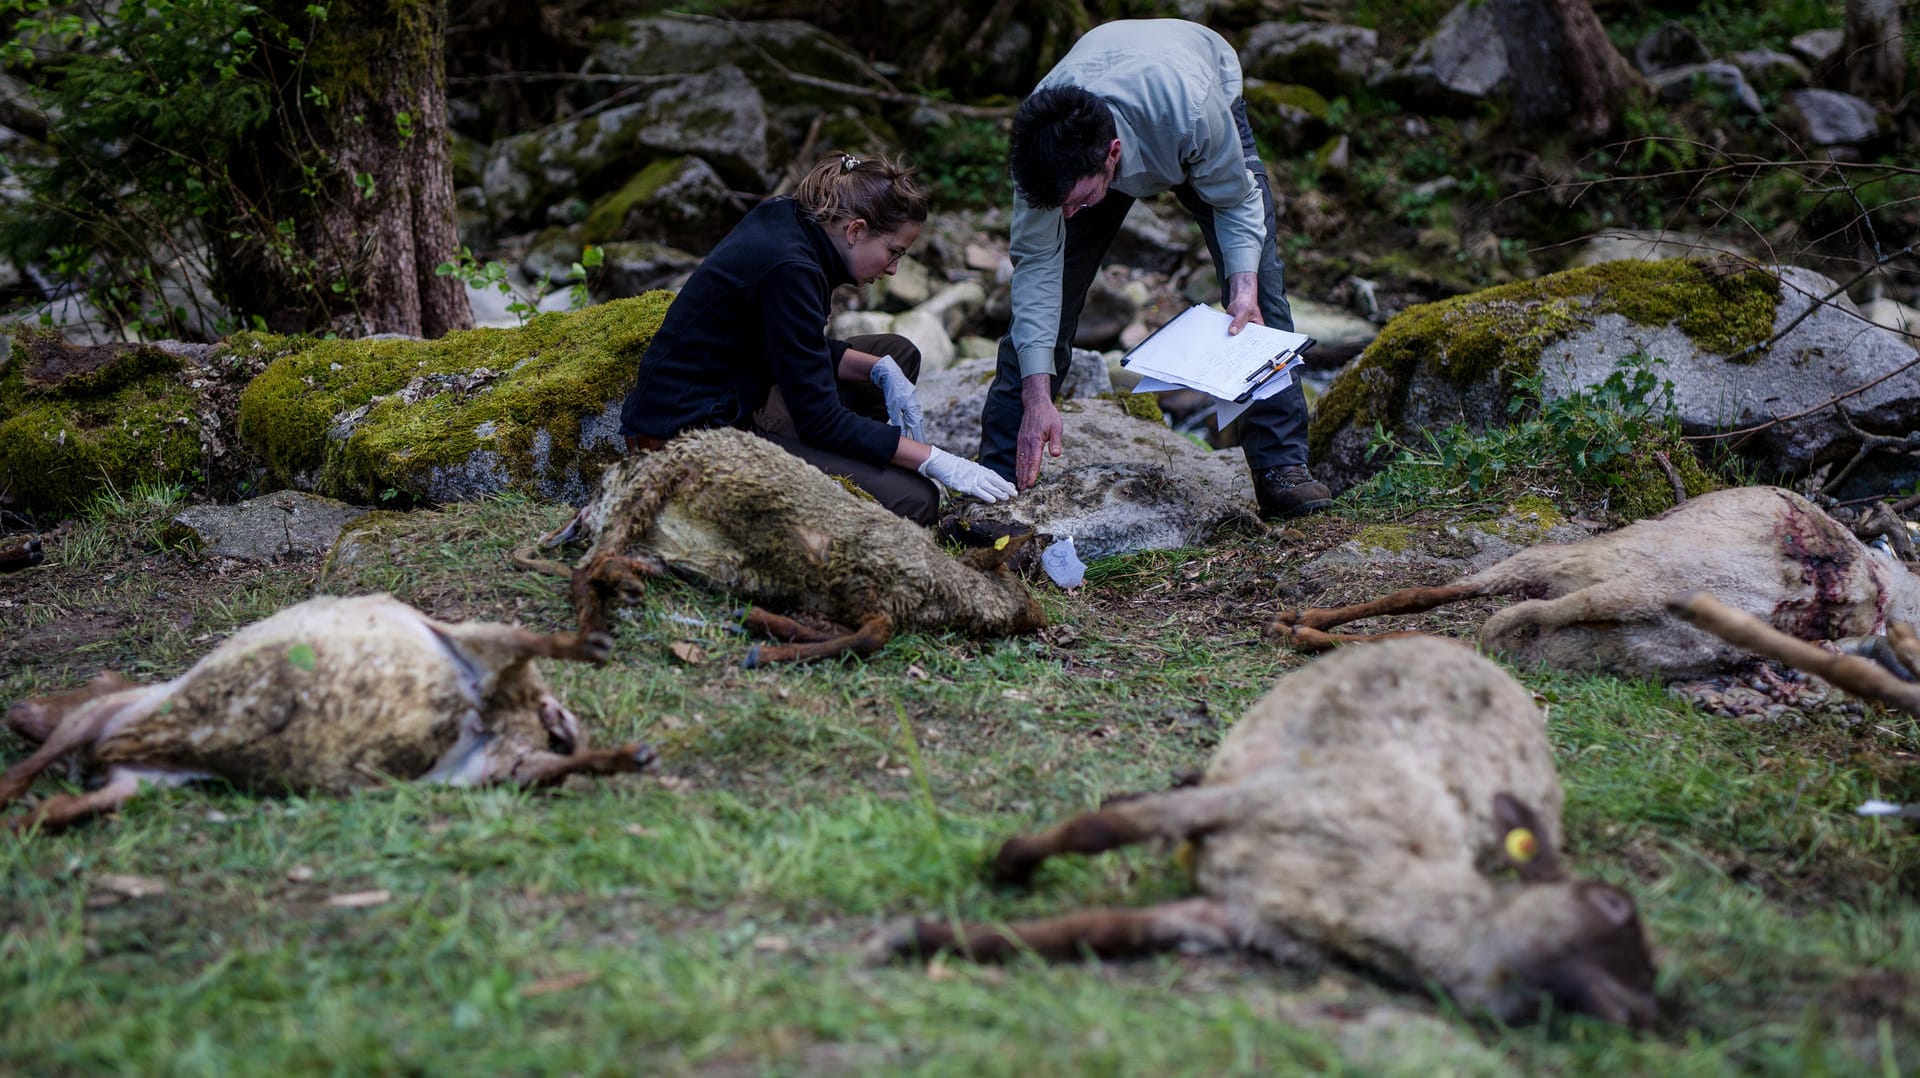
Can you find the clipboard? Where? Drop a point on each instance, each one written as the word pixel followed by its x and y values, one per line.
pixel 1282 364
pixel 1195 351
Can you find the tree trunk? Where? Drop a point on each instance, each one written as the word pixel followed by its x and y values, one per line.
pixel 1566 76
pixel 357 180
pixel 1874 53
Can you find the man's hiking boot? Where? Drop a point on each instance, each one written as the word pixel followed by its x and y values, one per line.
pixel 1288 492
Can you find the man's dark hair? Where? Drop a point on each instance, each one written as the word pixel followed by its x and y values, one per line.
pixel 1060 137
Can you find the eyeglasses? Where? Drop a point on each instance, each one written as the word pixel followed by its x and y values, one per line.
pixel 894 255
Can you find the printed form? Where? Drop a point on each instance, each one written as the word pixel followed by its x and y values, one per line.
pixel 1194 351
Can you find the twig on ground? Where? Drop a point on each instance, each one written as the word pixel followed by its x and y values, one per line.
pixel 1673 477
pixel 1861 677
pixel 1868 443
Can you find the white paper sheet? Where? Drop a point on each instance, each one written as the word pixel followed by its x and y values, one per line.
pixel 1195 351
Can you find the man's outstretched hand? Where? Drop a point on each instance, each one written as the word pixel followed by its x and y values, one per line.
pixel 1039 429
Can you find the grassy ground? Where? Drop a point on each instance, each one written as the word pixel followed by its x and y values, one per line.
pixel 709 918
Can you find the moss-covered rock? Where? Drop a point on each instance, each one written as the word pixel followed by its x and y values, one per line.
pixel 1291 118
pixel 1462 360
pixel 534 408
pixel 717 116
pixel 679 201
pixel 79 419
pixel 1141 406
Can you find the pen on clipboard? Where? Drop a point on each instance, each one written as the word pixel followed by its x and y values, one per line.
pixel 1268 367
pixel 1263 374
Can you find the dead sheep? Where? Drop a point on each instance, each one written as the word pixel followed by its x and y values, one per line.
pixel 1601 604
pixel 327 696
pixel 737 514
pixel 1396 806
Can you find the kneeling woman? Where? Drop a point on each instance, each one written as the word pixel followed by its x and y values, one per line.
pixel 744 344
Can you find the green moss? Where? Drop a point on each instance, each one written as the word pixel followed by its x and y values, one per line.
pixel 1141 406
pixel 609 215
pixel 547 375
pixel 1390 537
pixel 1323 157
pixel 80 370
pixel 399 33
pixel 1271 98
pixel 1537 511
pixel 1499 333
pixel 1646 489
pixel 56 452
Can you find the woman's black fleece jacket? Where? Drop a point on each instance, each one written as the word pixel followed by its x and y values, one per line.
pixel 751 317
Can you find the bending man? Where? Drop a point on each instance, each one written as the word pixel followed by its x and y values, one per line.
pixel 1136 108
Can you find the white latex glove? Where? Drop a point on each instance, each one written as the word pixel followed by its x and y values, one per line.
pixel 903 405
pixel 964 476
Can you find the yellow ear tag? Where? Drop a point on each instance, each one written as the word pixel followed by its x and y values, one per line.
pixel 1521 845
pixel 1001 543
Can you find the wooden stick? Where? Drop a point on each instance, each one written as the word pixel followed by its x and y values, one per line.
pixel 1861 677
pixel 1906 645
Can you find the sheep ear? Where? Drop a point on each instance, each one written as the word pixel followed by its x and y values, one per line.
pixel 993 557
pixel 1525 840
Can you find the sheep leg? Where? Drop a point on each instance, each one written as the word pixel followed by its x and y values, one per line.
pixel 605 578
pixel 548 768
pixel 35 718
pixel 499 646
pixel 1173 815
pixel 63 809
pixel 121 786
pixel 21 554
pixel 1312 641
pixel 1287 623
pixel 1600 605
pixel 871 636
pixel 79 727
pixel 1190 924
pixel 780 627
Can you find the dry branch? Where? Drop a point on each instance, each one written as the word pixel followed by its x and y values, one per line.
pixel 1861 677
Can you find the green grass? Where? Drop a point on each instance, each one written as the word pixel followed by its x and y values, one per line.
pixel 711 918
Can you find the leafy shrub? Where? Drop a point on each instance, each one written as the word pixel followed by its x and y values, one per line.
pixel 1601 443
pixel 964 164
pixel 149 106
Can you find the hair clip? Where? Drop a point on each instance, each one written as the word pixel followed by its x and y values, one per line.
pixel 848 162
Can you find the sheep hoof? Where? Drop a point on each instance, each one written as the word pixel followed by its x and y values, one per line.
pixel 898 940
pixel 752 661
pixel 598 647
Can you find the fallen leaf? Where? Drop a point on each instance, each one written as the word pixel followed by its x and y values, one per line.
pixel 688 652
pixel 358 900
pixel 129 886
pixel 559 982
pixel 638 831
pixel 300 873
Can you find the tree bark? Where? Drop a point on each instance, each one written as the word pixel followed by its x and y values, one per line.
pixel 1566 76
pixel 357 179
pixel 1873 52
